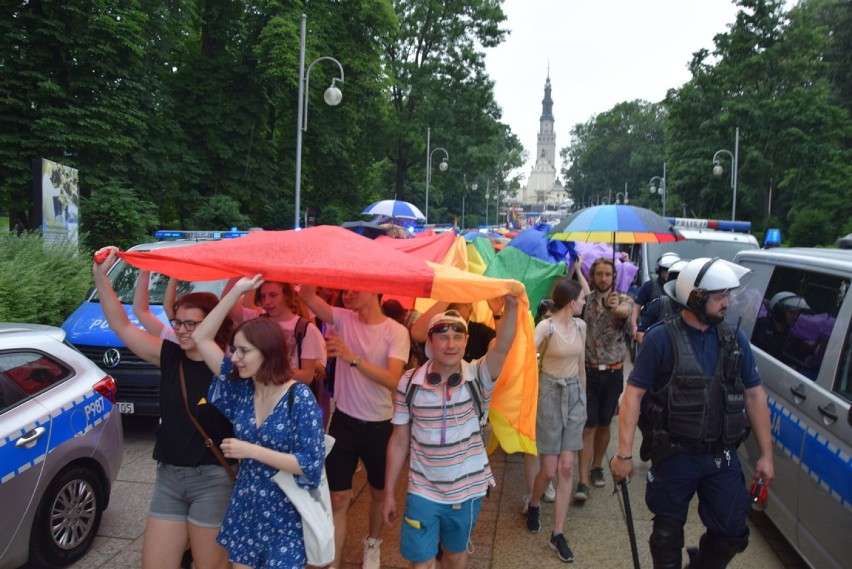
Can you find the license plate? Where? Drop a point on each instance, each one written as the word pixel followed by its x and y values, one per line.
pixel 125 408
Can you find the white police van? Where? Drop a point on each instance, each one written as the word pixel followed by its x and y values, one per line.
pixel 87 328
pixel 702 238
pixel 797 311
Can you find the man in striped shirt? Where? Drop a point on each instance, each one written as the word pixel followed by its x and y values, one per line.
pixel 436 417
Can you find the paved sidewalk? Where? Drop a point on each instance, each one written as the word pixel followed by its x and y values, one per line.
pixel 596 530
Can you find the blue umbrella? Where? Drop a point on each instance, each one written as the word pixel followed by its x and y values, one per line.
pixel 394 208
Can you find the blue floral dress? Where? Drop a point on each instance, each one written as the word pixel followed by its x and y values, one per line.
pixel 262 527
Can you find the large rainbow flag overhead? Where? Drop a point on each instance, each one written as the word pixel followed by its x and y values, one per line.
pixel 338 258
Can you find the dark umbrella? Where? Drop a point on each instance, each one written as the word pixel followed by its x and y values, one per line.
pixel 365 228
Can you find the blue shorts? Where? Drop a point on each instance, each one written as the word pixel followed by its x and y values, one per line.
pixel 199 495
pixel 426 523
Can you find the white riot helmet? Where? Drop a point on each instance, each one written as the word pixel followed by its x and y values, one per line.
pixel 676 268
pixel 701 277
pixel 786 300
pixel 665 261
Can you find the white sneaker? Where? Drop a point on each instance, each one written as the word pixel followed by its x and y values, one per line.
pixel 549 492
pixel 372 553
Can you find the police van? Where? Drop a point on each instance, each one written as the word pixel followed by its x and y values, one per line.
pixel 702 238
pixel 87 328
pixel 797 312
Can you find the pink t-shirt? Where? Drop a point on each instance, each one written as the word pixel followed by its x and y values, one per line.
pixel 354 393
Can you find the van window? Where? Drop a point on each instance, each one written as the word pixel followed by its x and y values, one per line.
pixel 843 383
pixel 797 316
pixel 123 278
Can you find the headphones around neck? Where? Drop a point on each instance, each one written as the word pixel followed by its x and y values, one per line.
pixel 434 379
pixel 697 299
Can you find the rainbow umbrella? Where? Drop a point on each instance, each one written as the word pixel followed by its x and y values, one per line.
pixel 615 224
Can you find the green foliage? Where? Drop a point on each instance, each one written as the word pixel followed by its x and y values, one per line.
pixel 218 212
pixel 116 216
pixel 41 283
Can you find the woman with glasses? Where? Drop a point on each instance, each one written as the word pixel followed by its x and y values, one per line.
pixel 192 489
pixel 277 426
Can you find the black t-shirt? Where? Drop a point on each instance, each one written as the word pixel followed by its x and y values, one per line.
pixel 178 441
pixel 479 336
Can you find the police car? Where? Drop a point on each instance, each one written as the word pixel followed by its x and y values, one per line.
pixel 702 238
pixel 60 447
pixel 797 312
pixel 87 328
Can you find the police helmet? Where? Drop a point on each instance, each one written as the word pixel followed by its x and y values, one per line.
pixel 701 277
pixel 665 261
pixel 676 268
pixel 786 300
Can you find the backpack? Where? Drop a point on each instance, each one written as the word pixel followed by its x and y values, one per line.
pixel 475 396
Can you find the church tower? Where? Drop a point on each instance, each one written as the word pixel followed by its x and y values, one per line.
pixel 543 188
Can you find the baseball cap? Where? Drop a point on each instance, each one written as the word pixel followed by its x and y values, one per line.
pixel 450 318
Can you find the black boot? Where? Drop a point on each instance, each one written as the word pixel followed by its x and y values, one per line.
pixel 666 543
pixel 715 552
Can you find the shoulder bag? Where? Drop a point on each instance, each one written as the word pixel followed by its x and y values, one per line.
pixel 208 442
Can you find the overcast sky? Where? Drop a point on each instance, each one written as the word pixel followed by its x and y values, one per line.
pixel 601 52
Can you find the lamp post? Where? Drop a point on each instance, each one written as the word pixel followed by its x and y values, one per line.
pixel 332 97
pixel 626 199
pixel 442 166
pixel 487 196
pixel 660 187
pixel 735 158
pixel 473 188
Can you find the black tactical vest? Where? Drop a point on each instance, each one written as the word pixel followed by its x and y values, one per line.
pixel 694 411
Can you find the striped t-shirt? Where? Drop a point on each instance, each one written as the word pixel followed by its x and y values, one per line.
pixel 458 469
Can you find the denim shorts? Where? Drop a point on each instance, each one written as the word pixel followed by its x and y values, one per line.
pixel 426 523
pixel 199 495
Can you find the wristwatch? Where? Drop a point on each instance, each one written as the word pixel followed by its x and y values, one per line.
pixel 355 361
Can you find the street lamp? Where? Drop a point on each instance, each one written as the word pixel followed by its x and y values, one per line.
pixel 332 97
pixel 660 188
pixel 718 170
pixel 442 166
pixel 473 188
pixel 487 196
pixel 623 199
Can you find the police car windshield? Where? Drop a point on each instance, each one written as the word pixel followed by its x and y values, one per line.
pixel 123 279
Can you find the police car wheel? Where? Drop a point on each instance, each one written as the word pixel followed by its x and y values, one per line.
pixel 67 519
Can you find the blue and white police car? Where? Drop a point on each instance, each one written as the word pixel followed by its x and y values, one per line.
pixel 87 328
pixel 60 447
pixel 797 312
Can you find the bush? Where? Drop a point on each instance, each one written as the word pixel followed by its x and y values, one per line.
pixel 218 213
pixel 116 216
pixel 41 283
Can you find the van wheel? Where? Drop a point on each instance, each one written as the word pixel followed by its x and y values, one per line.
pixel 67 519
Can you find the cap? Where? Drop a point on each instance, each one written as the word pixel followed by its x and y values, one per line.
pixel 449 317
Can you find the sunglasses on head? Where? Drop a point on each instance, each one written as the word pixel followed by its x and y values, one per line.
pixel 444 327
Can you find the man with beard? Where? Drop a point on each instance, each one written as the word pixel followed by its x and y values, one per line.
pixel 703 390
pixel 606 314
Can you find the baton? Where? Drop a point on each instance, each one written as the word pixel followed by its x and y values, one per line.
pixel 628 517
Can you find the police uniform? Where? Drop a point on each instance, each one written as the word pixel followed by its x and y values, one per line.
pixel 694 445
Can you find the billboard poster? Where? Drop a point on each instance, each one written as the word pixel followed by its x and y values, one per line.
pixel 58 196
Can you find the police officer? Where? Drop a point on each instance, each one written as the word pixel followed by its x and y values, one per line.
pixel 651 289
pixel 701 382
pixel 663 306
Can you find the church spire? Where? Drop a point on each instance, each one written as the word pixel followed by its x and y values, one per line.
pixel 547 102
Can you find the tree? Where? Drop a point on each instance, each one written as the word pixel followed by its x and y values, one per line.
pixel 116 216
pixel 622 146
pixel 436 74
